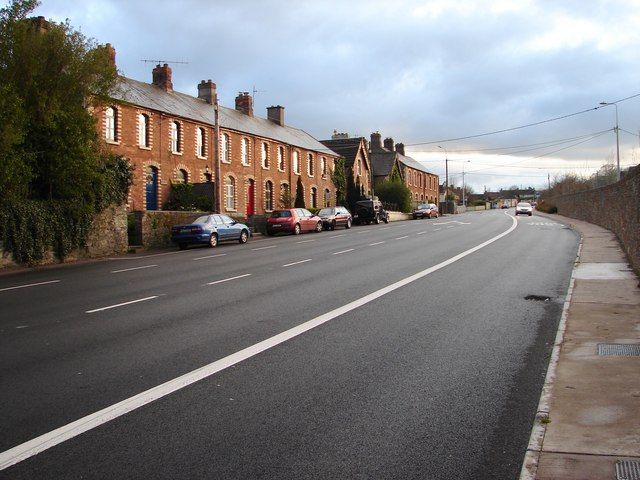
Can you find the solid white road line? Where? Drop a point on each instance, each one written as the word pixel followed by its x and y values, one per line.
pixel 343 251
pixel 29 285
pixel 376 243
pixel 263 248
pixel 121 304
pixel 210 256
pixel 297 263
pixel 43 442
pixel 134 268
pixel 229 279
pixel 148 256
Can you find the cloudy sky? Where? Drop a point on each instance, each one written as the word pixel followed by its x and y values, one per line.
pixel 426 73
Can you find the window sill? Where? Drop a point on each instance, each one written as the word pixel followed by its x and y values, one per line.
pixel 246 164
pixel 112 142
pixel 179 154
pixel 201 158
pixel 141 147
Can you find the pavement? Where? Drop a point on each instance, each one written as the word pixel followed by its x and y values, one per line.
pixel 588 421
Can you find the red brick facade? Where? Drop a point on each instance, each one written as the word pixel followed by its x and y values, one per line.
pixel 253 169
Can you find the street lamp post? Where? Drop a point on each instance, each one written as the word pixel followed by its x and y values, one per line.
pixel 446 175
pixel 464 203
pixel 604 104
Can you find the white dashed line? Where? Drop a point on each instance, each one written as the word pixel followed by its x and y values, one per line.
pixel 121 304
pixel 336 236
pixel 421 233
pixel 263 248
pixel 297 263
pixel 365 231
pixel 377 243
pixel 134 268
pixel 343 251
pixel 211 256
pixel 305 241
pixel 229 279
pixel 29 285
pixel 400 238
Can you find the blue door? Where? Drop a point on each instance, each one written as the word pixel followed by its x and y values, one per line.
pixel 152 188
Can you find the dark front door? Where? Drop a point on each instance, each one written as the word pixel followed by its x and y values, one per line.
pixel 251 197
pixel 152 188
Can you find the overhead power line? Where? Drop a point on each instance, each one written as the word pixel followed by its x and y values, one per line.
pixel 562 117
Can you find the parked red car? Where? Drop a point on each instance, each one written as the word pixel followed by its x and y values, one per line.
pixel 293 220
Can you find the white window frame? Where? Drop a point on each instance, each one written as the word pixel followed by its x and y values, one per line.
pixel 268 195
pixel 201 138
pixel 224 148
pixel 175 136
pixel 281 162
pixel 265 155
pixel 296 162
pixel 244 151
pixel 311 170
pixel 230 193
pixel 111 124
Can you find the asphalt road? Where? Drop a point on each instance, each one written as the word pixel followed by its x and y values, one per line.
pixel 436 377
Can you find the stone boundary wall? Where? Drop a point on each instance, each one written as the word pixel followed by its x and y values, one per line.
pixel 107 236
pixel 615 207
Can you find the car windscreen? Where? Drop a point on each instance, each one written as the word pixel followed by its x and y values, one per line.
pixel 326 211
pixel 280 214
pixel 423 206
pixel 524 205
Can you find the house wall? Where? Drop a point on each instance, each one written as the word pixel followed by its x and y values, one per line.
pixel 615 207
pixel 423 186
pixel 159 155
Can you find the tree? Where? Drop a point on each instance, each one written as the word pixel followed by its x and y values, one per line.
pixel 339 179
pixel 395 193
pixel 48 75
pixel 353 192
pixel 299 203
pixel 285 197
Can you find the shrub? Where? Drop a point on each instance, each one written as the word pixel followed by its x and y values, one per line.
pixel 547 207
pixel 395 192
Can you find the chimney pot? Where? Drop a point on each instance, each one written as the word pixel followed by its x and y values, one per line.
pixel 388 144
pixel 400 148
pixel 162 77
pixel 244 103
pixel 376 142
pixel 207 92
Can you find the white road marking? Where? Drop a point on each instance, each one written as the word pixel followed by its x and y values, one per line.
pixel 43 442
pixel 29 285
pixel 384 228
pixel 148 256
pixel 210 256
pixel 437 229
pixel 305 241
pixel 297 263
pixel 22 326
pixel 364 231
pixel 421 233
pixel 336 236
pixel 343 251
pixel 229 279
pixel 453 221
pixel 121 304
pixel 400 238
pixel 263 248
pixel 377 243
pixel 134 268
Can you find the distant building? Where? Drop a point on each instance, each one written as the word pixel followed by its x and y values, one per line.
pixel 170 137
pixel 354 150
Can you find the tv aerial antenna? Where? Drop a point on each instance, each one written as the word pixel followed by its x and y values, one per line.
pixel 163 61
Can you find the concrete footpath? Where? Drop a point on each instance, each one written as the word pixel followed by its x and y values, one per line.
pixel 588 421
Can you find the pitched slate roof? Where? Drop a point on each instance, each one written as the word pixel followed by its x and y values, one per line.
pixel 382 162
pixel 346 147
pixel 181 105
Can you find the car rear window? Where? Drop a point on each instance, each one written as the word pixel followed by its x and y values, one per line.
pixel 281 214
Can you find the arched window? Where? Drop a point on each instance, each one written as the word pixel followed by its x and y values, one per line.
pixel 111 121
pixel 268 195
pixel 230 193
pixel 200 142
pixel 327 197
pixel 224 147
pixel 182 176
pixel 296 162
pixel 265 155
pixel 176 141
pixel 281 159
pixel 323 166
pixel 245 151
pixel 314 197
pixel 310 165
pixel 143 130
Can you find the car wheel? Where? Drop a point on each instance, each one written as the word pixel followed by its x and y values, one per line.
pixel 182 246
pixel 348 224
pixel 333 225
pixel 530 213
pixel 244 236
pixel 319 227
pixel 377 220
pixel 296 229
pixel 213 240
pixel 270 233
pixel 386 219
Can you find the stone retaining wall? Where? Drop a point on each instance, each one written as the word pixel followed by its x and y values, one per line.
pixel 615 207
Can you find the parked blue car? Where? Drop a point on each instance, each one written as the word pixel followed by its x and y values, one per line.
pixel 209 229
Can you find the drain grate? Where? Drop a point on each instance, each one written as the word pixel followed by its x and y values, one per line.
pixel 538 298
pixel 619 350
pixel 627 470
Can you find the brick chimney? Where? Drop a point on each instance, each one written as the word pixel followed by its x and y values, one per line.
pixel 400 148
pixel 339 135
pixel 39 24
pixel 388 144
pixel 276 114
pixel 162 77
pixel 244 103
pixel 207 91
pixel 376 142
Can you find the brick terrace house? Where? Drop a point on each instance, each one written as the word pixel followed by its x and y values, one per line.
pixel 389 160
pixel 356 155
pixel 171 137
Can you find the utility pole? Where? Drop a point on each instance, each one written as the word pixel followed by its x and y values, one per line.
pixel 446 174
pixel 549 181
